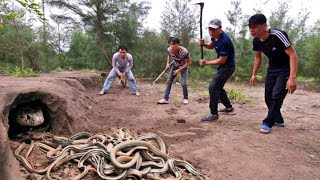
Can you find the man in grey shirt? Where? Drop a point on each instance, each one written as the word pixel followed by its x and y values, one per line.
pixel 122 63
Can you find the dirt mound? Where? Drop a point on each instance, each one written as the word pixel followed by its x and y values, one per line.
pixel 230 148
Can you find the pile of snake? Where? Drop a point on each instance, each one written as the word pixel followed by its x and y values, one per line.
pixel 120 155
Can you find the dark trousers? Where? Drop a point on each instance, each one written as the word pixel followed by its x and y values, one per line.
pixel 216 90
pixel 275 92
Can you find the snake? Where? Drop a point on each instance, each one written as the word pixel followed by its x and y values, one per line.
pixel 25 161
pixel 160 142
pixel 155 151
pixel 114 157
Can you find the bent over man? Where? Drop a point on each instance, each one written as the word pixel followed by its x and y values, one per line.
pixel 181 61
pixel 122 62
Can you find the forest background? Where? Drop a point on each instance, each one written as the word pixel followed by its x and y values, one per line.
pixel 84 34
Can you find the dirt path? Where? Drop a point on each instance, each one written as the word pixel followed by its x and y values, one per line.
pixel 230 148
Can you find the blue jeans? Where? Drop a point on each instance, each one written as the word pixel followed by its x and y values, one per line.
pixel 216 90
pixel 184 83
pixel 113 74
pixel 275 92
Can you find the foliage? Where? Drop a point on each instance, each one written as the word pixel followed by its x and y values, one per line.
pixel 198 74
pixel 180 19
pixel 150 54
pixel 112 21
pixel 235 94
pixel 59 69
pixel 243 46
pixel 88 37
pixel 83 53
pixel 11 11
pixel 27 72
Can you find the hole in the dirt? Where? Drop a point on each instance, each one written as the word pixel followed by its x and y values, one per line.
pixel 28 115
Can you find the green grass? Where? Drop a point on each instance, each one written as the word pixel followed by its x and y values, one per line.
pixel 87 70
pixel 199 87
pixel 27 72
pixel 59 69
pixel 234 91
pixel 3 70
pixel 101 79
pixel 237 95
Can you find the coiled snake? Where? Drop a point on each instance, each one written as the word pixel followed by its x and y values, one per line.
pixel 113 157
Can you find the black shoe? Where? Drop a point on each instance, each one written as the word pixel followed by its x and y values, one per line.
pixel 210 118
pixel 227 111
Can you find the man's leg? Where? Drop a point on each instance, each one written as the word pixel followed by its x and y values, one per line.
pixel 108 82
pixel 132 82
pixel 223 94
pixel 215 88
pixel 279 93
pixel 224 99
pixel 169 83
pixel 184 83
pixel 274 95
pixel 268 93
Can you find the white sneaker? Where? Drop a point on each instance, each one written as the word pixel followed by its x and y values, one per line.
pixel 185 101
pixel 163 101
pixel 137 93
pixel 101 92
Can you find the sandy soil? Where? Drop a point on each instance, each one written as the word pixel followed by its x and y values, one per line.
pixel 230 148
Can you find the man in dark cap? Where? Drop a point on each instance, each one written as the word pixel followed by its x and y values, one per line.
pixel 226 66
pixel 282 70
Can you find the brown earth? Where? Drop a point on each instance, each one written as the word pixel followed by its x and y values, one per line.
pixel 230 148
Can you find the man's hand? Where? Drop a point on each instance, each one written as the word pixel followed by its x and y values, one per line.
pixel 122 75
pixel 176 72
pixel 167 66
pixel 201 42
pixel 291 85
pixel 252 80
pixel 202 62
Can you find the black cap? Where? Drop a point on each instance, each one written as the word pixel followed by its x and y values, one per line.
pixel 257 19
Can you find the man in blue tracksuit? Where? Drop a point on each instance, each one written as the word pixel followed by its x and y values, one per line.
pixel 282 70
pixel 226 66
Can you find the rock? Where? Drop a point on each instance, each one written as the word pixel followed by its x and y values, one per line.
pixel 34 176
pixel 181 121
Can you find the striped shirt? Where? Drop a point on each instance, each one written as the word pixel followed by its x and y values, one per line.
pixel 180 58
pixel 274 48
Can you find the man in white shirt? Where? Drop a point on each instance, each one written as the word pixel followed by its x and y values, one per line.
pixel 122 62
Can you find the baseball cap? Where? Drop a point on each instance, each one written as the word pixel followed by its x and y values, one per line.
pixel 257 19
pixel 214 23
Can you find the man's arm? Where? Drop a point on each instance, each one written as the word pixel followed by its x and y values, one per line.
pixel 185 66
pixel 221 60
pixel 256 65
pixel 208 46
pixel 168 61
pixel 114 64
pixel 292 83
